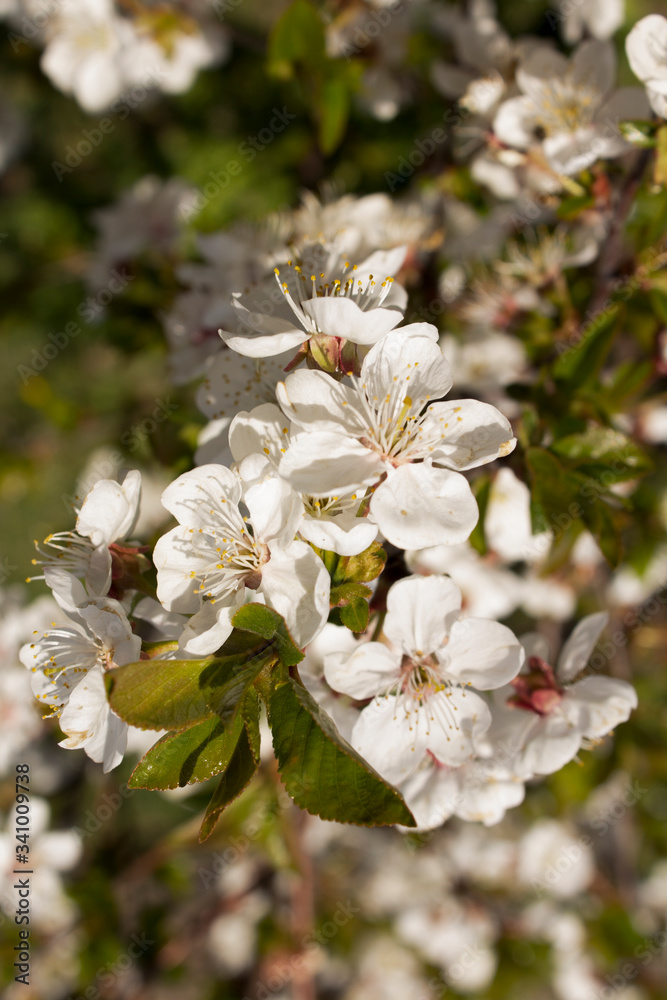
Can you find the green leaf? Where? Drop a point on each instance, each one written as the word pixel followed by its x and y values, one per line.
pixel 238 775
pixel 321 771
pixel 481 488
pixel 573 206
pixel 355 614
pixel 601 522
pixel 297 39
pixel 361 568
pixel 580 361
pixel 658 300
pixel 603 454
pixel 334 109
pixel 180 759
pixel 177 694
pixel 161 694
pixel 266 622
pixel 345 592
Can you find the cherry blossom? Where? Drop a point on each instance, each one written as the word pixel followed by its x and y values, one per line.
pixel 258 441
pixel 646 48
pixel 420 682
pixel 383 431
pixel 218 557
pixel 568 107
pixel 324 296
pixel 68 663
pixel 548 715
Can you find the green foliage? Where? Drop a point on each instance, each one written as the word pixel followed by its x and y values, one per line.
pixel 580 362
pixel 322 772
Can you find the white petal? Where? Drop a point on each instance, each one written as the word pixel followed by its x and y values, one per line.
pixel 185 497
pixel 257 346
pixel 457 721
pixel 110 510
pixel 211 626
pixel 421 612
pixel 371 669
pixel 88 722
pixel 323 464
pixel 317 402
pixel 578 648
pixel 594 65
pixel 571 152
pixel 534 644
pixel 646 47
pixel 341 317
pixel 108 622
pixel 483 653
pixel 176 562
pixel 415 361
pixel 553 742
pixel 515 122
pixel 276 511
pixel 391 741
pixel 345 534
pixel 419 505
pixel 605 703
pixel 487 799
pixel 260 430
pixel 296 584
pixel 431 794
pixel 540 65
pixel 473 434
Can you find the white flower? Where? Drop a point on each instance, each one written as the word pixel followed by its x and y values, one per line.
pixel 420 685
pixel 383 431
pixel 51 852
pixel 646 48
pixel 547 718
pixel 489 590
pixel 82 56
pixel 107 516
pixel 148 216
pixel 479 791
pixel 551 858
pixel 68 662
pixel 507 524
pixel 258 441
pixel 601 18
pixel 568 106
pixel 175 59
pixel 324 296
pixel 455 938
pixel 233 383
pixel 217 558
